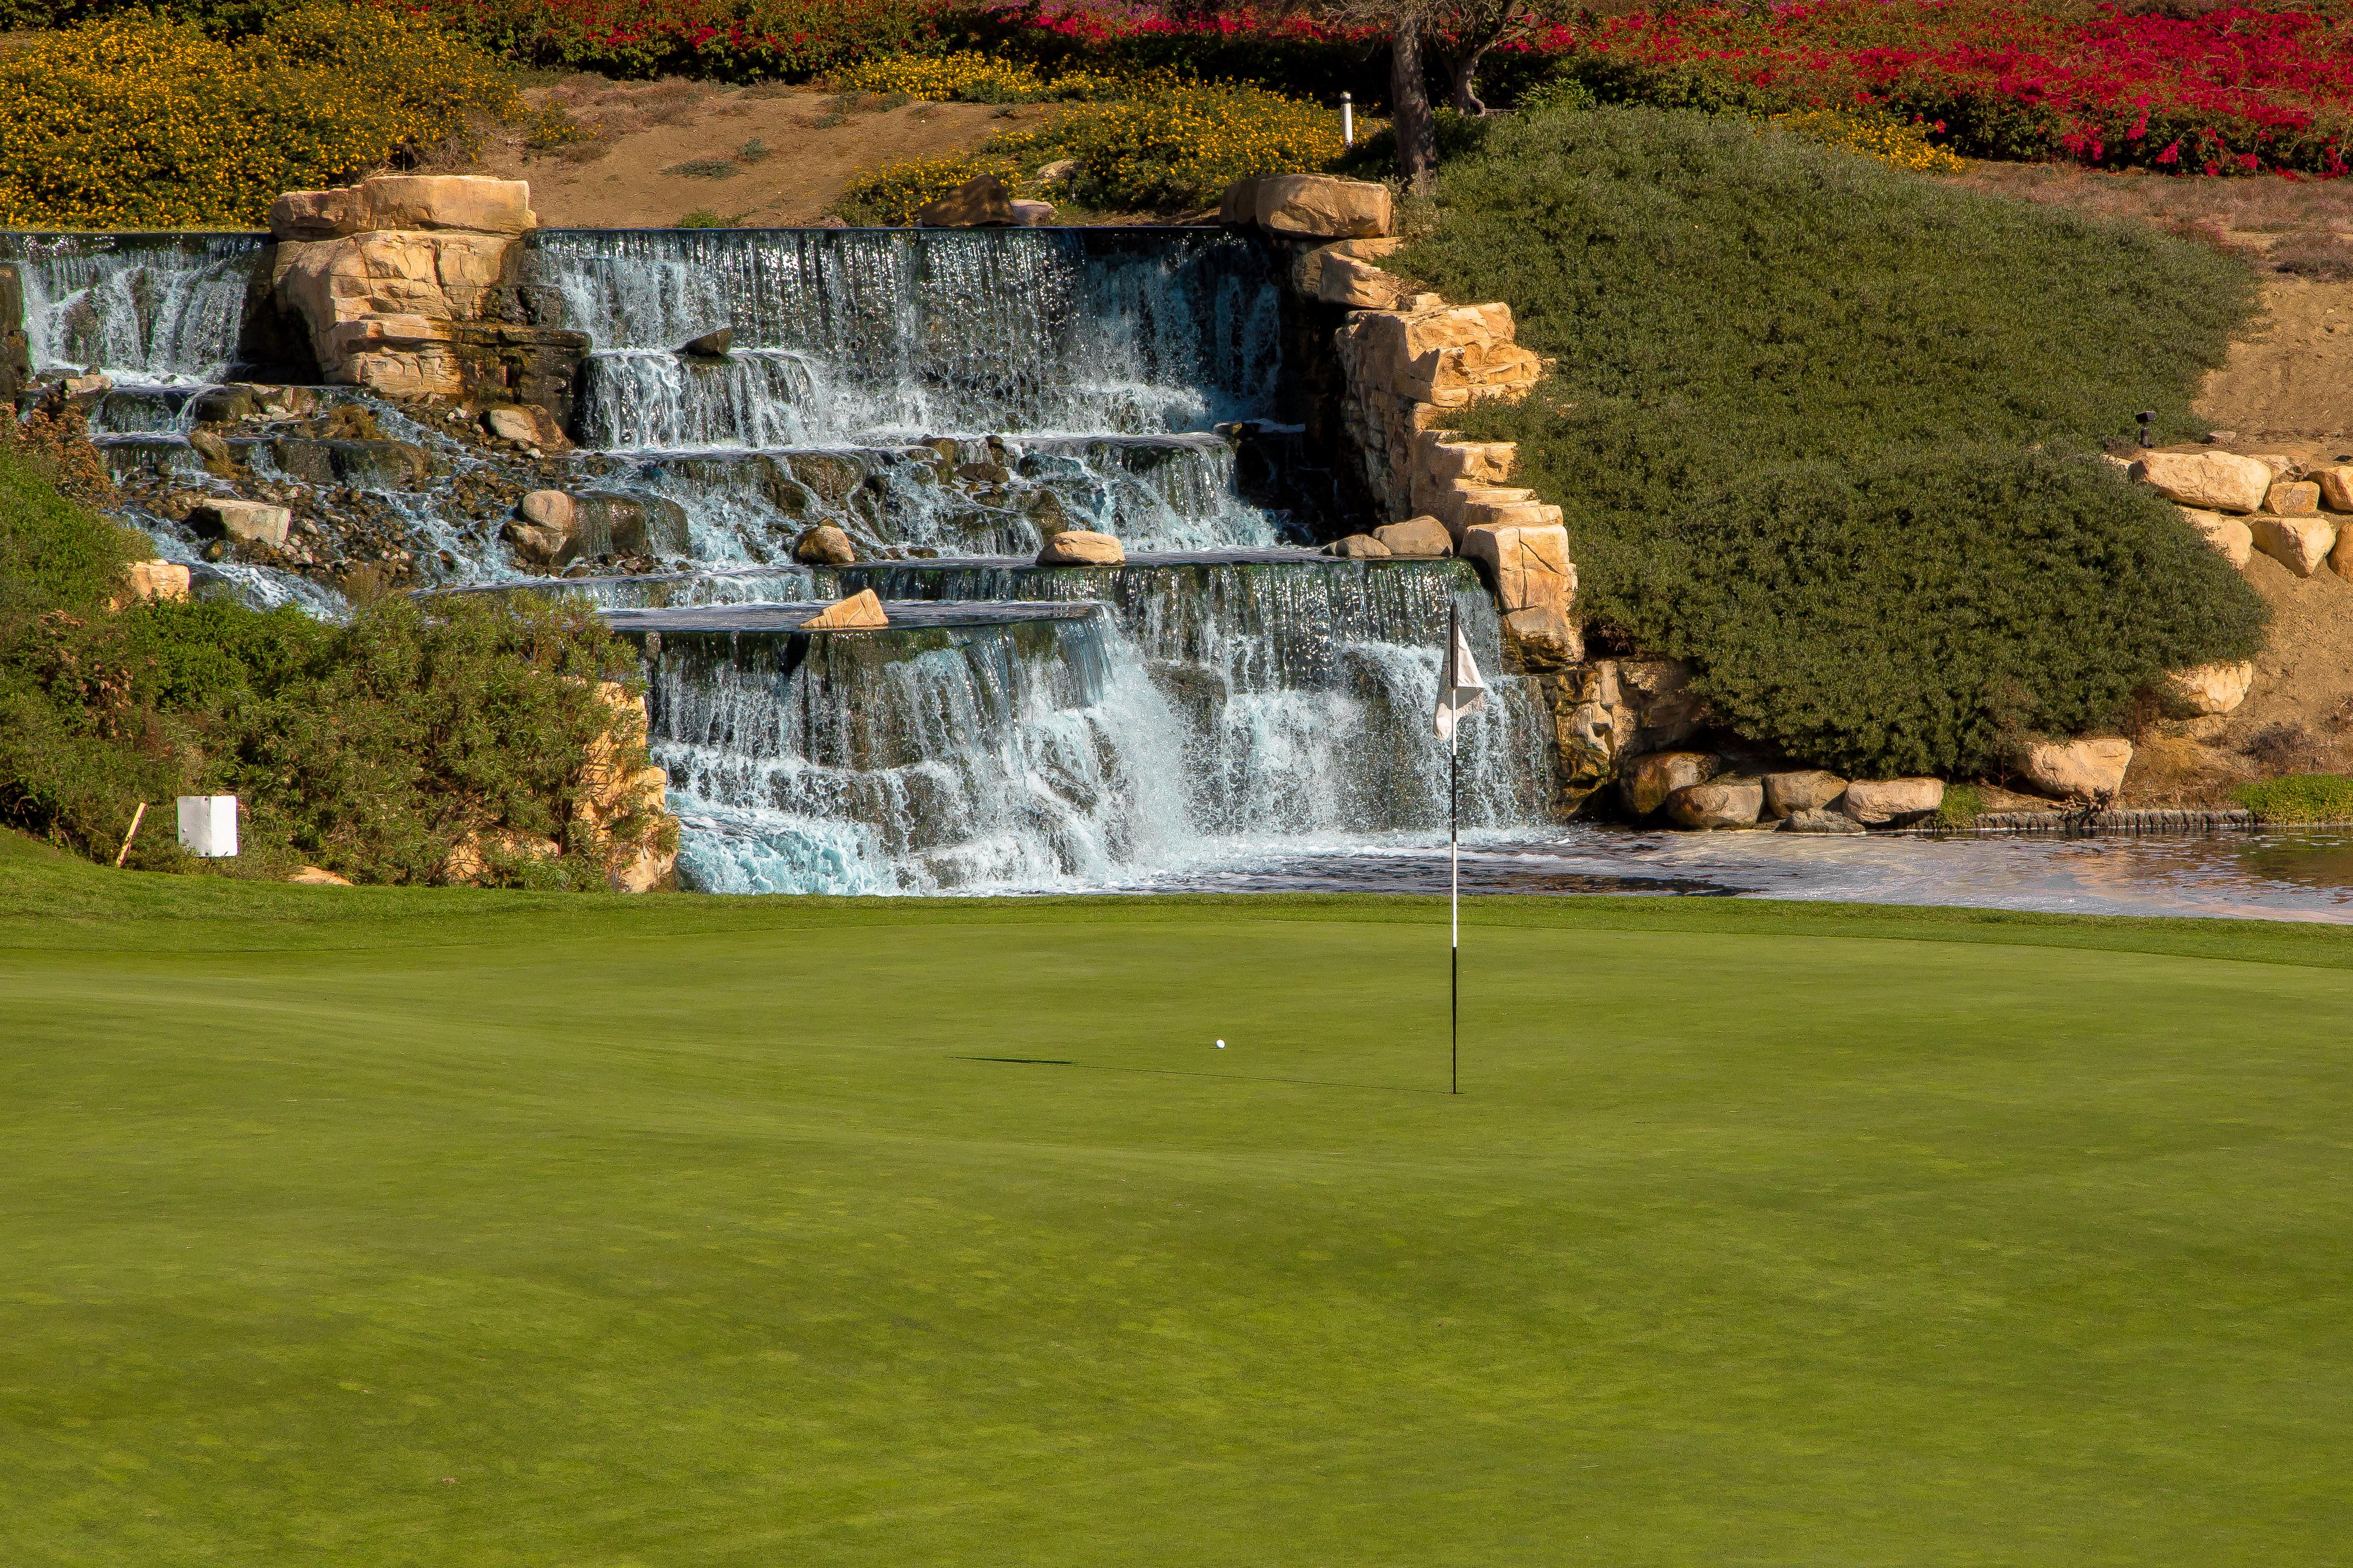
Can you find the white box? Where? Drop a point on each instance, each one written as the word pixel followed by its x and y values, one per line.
pixel 209 824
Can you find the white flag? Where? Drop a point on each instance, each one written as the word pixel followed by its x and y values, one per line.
pixel 1459 689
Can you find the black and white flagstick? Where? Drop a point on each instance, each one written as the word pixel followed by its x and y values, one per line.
pixel 1453 877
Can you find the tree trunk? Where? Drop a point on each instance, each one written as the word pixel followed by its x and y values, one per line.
pixel 1416 129
pixel 1465 78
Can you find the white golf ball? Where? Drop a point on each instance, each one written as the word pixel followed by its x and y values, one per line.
pixel 1221 1044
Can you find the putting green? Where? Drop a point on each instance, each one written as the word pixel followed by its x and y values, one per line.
pixel 376 1226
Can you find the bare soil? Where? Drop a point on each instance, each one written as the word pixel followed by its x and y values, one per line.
pixel 761 156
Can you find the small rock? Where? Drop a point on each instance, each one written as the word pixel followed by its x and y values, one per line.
pixel 89 388
pixel 2077 769
pixel 1820 820
pixel 549 508
pixel 318 876
pixel 709 345
pixel 247 522
pixel 222 405
pixel 1081 547
pixel 1720 803
pixel 1786 794
pixel 2292 498
pixel 981 202
pixel 1358 547
pixel 859 612
pixel 2207 688
pixel 2281 465
pixel 2299 543
pixel 1033 214
pixel 1646 782
pixel 1877 803
pixel 1417 538
pixel 145 581
pixel 2336 484
pixel 1055 173
pixel 526 425
pixel 2217 481
pixel 825 546
pixel 2229 535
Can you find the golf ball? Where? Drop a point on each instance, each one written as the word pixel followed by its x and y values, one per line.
pixel 1221 1044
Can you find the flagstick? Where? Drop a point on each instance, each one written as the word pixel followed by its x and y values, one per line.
pixel 1454 882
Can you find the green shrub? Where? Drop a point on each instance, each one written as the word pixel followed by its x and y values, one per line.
pixel 2299 797
pixel 888 197
pixel 139 122
pixel 370 748
pixel 1828 430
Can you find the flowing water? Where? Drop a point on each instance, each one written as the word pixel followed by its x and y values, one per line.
pixel 1226 711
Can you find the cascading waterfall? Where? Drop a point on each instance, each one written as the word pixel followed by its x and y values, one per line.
pixel 949 399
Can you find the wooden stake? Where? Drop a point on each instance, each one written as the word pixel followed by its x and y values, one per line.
pixel 137 817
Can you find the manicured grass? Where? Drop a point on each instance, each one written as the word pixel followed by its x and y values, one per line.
pixel 396 1227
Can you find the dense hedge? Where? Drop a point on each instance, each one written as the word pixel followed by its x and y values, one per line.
pixel 369 748
pixel 138 121
pixel 1830 431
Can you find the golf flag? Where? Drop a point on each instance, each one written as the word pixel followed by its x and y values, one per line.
pixel 1459 689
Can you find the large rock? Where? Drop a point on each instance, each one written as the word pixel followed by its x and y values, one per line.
pixel 1081 547
pixel 859 612
pixel 1821 819
pixel 1033 214
pixel 2292 498
pixel 825 546
pixel 526 425
pixel 1730 802
pixel 1610 710
pixel 1891 803
pixel 1542 640
pixel 2207 688
pixel 1358 547
pixel 1647 781
pixel 2216 481
pixel 244 521
pixel 146 582
pixel 1347 273
pixel 1529 565
pixel 2299 543
pixel 1786 794
pixel 462 202
pixel 1322 206
pixel 2229 535
pixel 1417 538
pixel 555 529
pixel 981 202
pixel 713 344
pixel 2336 483
pixel 2077 769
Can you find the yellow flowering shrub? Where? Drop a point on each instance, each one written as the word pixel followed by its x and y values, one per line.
pixel 1900 144
pixel 967 77
pixel 138 121
pixel 888 197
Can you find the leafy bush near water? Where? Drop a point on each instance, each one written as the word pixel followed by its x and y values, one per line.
pixel 2300 797
pixel 1168 146
pixel 369 748
pixel 141 122
pixel 1830 431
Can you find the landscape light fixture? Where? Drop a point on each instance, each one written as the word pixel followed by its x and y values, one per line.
pixel 1347 120
pixel 2145 416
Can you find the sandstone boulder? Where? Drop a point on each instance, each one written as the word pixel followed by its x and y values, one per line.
pixel 87 389
pixel 1529 565
pixel 1418 538
pixel 461 202
pixel 859 612
pixel 1647 781
pixel 1081 547
pixel 1821 819
pixel 1322 206
pixel 1891 803
pixel 1729 803
pixel 2207 688
pixel 825 546
pixel 2292 498
pixel 1033 214
pixel 1358 547
pixel 709 345
pixel 474 855
pixel 318 877
pixel 2229 535
pixel 2336 484
pixel 146 581
pixel 2281 465
pixel 2216 481
pixel 1055 173
pixel 1542 640
pixel 2299 543
pixel 244 521
pixel 1786 794
pixel 981 202
pixel 526 425
pixel 2077 769
pixel 222 405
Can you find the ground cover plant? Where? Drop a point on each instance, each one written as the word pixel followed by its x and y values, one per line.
pixel 135 122
pixel 1832 431
pixel 2299 797
pixel 371 747
pixel 344 1221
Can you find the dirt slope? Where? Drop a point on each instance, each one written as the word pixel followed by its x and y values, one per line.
pixel 2289 382
pixel 803 148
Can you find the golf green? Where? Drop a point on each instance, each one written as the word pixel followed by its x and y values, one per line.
pixel 407 1228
